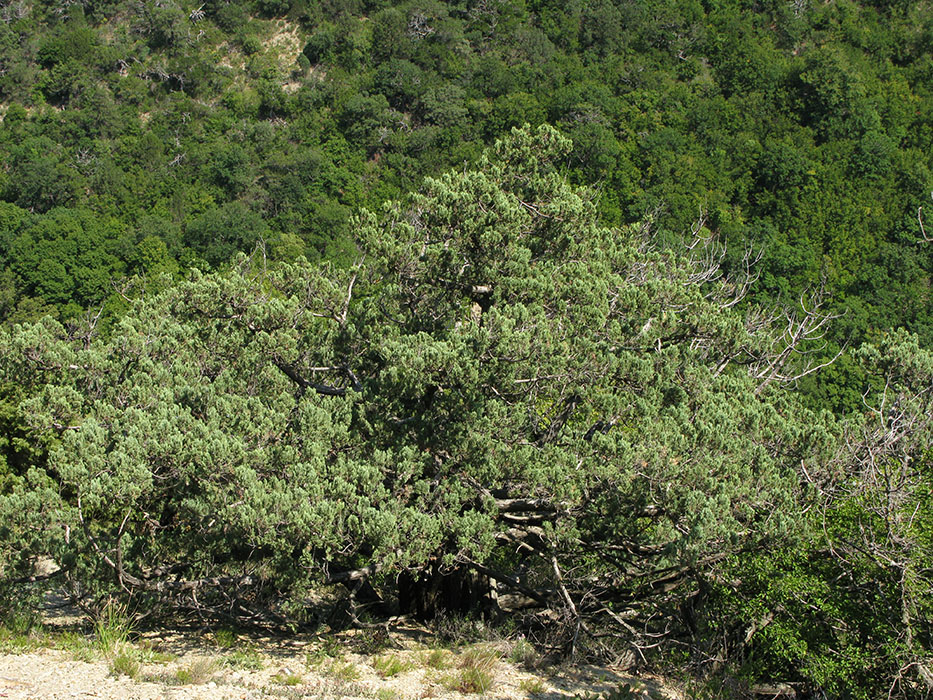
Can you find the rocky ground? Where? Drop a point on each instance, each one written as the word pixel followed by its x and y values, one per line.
pixel 407 664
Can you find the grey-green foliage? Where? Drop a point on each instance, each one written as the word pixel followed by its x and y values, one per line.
pixel 536 352
pixel 493 341
pixel 181 444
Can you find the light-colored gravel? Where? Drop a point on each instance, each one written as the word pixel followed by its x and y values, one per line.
pixel 55 675
pixel 183 667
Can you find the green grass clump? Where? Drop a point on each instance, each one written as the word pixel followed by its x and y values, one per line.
pixel 524 654
pixel 244 660
pixel 344 671
pixel 390 665
pixel 112 629
pixel 21 629
pixel 329 648
pixel 469 680
pixel 288 679
pixel 372 641
pixel 532 686
pixel 438 659
pixel 479 657
pixel 225 638
pixel 476 671
pixel 151 653
pixel 13 641
pixel 78 645
pixel 328 658
pixel 125 664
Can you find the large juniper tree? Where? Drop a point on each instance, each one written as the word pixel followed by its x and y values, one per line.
pixel 496 368
pixel 499 386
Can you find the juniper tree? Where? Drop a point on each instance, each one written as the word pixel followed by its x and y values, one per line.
pixel 499 385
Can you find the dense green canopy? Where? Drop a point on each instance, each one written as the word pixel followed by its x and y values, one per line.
pixel 492 339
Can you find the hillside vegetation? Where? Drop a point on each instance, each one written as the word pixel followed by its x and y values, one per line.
pixel 612 319
pixel 173 136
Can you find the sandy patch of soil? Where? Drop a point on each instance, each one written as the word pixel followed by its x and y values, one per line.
pixel 65 660
pixel 285 42
pixel 183 666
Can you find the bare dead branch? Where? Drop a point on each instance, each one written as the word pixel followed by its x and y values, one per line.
pixel 923 232
pixel 353 575
pixel 735 289
pixel 803 326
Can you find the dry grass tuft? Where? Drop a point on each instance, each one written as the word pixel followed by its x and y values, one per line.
pixel 198 672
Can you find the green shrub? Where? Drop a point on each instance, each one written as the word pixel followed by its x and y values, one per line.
pixel 125 664
pixel 197 672
pixel 390 665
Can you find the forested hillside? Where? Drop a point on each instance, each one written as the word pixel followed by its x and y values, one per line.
pixel 618 310
pixel 162 136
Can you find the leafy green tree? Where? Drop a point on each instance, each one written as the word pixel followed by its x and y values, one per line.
pixel 801 128
pixel 220 232
pixel 76 42
pixel 513 110
pixel 165 26
pixel 669 103
pixel 67 258
pixel 363 117
pixel 402 82
pixel 848 610
pixel 40 177
pixel 390 36
pixel 231 169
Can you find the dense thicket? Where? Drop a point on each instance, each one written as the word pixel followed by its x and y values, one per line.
pixel 499 387
pixel 176 134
